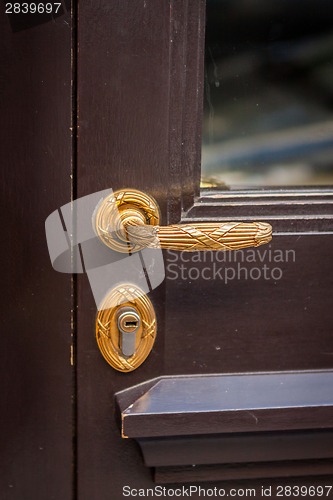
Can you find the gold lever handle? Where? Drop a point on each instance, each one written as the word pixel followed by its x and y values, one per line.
pixel 128 220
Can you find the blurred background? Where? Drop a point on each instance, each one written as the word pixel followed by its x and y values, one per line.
pixel 268 96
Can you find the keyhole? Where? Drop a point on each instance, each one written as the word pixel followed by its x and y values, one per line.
pixel 131 324
pixel 128 324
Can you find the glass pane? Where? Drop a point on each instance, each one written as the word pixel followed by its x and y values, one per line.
pixel 268 98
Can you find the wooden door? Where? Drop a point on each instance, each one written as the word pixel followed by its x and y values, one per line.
pixel 140 88
pixel 135 110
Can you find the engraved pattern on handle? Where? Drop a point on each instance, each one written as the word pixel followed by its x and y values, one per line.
pixel 202 236
pixel 127 221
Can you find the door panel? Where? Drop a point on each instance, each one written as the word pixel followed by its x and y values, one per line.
pixel 140 73
pixel 237 317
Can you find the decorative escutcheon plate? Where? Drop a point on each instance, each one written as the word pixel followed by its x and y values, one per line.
pixel 118 209
pixel 108 334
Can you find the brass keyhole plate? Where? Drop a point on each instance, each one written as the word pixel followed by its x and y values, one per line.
pixel 108 334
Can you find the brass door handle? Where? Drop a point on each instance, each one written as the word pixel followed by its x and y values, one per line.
pixel 128 220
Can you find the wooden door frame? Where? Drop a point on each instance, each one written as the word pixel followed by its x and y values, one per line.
pixel 37 418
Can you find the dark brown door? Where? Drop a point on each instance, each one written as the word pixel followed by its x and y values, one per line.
pixel 36 167
pixel 140 94
pixel 236 392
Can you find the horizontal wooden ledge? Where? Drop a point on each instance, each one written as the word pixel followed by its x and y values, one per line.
pixel 215 404
pixel 287 469
pixel 243 193
pixel 292 224
pixel 299 209
pixel 237 448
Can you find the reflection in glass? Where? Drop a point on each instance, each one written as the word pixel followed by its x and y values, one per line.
pixel 268 100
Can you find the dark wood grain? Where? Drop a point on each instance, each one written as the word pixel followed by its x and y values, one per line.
pixel 123 141
pixel 244 324
pixel 140 78
pixel 35 369
pixel 286 471
pixel 236 448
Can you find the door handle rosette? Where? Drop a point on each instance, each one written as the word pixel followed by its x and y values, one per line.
pixel 128 221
